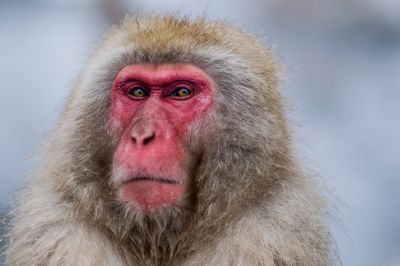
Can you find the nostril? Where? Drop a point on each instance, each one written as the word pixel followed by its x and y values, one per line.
pixel 143 141
pixel 142 135
pixel 148 139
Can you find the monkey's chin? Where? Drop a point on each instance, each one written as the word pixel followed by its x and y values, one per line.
pixel 148 195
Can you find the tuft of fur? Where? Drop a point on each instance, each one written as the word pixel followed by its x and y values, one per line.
pixel 250 203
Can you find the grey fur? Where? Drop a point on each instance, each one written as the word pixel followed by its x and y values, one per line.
pixel 251 204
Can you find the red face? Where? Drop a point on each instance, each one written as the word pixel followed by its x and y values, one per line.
pixel 154 107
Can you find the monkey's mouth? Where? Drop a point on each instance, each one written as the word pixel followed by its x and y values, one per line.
pixel 152 179
pixel 149 192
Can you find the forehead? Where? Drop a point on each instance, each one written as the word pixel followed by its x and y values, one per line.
pixel 162 73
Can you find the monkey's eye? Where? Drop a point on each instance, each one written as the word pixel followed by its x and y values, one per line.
pixel 181 92
pixel 138 92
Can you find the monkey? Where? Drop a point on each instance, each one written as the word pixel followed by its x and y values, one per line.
pixel 173 148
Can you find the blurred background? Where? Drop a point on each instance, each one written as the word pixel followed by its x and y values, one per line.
pixel 342 82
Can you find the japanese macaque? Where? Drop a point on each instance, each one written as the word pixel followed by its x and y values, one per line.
pixel 173 149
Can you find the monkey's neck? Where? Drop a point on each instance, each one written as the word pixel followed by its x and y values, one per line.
pixel 156 244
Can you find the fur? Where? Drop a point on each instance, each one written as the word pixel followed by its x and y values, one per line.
pixel 250 203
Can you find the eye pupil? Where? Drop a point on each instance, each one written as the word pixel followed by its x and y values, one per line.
pixel 184 92
pixel 137 92
pixel 181 92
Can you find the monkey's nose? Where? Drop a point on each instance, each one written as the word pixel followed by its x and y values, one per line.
pixel 142 136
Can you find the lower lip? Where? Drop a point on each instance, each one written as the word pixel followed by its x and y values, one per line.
pixel 149 194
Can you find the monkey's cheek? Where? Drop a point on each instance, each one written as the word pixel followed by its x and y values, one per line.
pixel 149 196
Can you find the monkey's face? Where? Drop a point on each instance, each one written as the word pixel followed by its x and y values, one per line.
pixel 154 110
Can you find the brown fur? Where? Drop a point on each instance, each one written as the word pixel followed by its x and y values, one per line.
pixel 250 202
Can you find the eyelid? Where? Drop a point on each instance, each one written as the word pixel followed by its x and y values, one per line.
pixel 182 85
pixel 129 84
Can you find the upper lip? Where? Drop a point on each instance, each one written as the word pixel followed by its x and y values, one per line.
pixel 152 179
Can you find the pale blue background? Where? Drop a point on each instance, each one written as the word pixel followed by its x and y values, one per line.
pixel 342 81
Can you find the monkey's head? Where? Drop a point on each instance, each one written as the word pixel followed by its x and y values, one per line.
pixel 173 124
